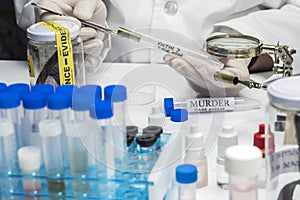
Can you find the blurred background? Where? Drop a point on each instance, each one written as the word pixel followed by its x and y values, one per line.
pixel 13 41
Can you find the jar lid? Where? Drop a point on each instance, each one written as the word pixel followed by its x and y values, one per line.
pixel 243 160
pixel 39 32
pixel 285 93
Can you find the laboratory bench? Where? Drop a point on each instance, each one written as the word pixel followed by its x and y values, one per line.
pixel 169 84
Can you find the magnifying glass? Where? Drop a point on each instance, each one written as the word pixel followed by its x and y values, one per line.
pixel 237 46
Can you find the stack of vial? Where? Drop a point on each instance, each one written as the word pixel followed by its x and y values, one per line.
pixel 73 142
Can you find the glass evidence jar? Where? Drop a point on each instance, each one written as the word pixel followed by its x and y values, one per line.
pixel 54 56
pixel 283 119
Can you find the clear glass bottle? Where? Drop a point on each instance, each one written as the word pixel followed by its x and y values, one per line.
pixel 195 154
pixel 186 177
pixel 283 119
pixel 242 163
pixel 42 54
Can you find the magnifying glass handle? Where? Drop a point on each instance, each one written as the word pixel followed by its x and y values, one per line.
pixel 219 76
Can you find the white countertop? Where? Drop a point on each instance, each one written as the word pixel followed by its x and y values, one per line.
pixel 168 84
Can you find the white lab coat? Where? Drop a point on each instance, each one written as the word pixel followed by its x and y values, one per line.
pixel 269 20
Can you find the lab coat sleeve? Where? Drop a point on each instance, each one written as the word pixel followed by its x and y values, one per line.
pixel 271 26
pixel 24 13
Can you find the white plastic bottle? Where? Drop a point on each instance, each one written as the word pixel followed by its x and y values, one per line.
pixel 227 138
pixel 242 163
pixel 195 154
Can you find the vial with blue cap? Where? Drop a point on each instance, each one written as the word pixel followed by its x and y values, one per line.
pixel 58 105
pixel 117 94
pixel 186 178
pixel 35 110
pixel 101 114
pixel 10 107
pixel 178 125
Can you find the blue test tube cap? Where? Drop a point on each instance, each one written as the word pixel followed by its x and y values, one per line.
pixel 179 115
pixel 9 99
pixel 34 100
pixel 101 109
pixel 2 86
pixel 115 93
pixel 186 173
pixel 21 88
pixel 68 89
pixel 81 101
pixel 46 88
pixel 168 106
pixel 58 101
pixel 92 91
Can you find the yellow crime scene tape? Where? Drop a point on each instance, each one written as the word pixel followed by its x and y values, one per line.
pixel 64 52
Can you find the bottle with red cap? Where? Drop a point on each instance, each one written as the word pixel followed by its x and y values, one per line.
pixel 259 141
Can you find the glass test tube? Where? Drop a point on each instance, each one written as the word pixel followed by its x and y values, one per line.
pixel 77 133
pixel 10 103
pixel 8 155
pixel 29 158
pixel 50 131
pixel 117 94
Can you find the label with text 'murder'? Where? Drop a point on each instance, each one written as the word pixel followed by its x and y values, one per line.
pixel 210 104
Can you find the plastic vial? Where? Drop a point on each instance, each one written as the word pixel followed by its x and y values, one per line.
pixel 8 155
pixel 156 117
pixel 178 125
pixel 79 163
pixel 117 94
pixel 259 141
pixel 10 107
pixel 195 154
pixel 43 56
pixel 50 130
pixel 101 114
pixel 228 137
pixel 243 163
pixel 35 110
pixel 186 177
pixel 146 151
pixel 58 105
pixel 30 162
pixel 68 90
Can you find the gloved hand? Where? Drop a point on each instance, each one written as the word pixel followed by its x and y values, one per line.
pixel 200 74
pixel 95 43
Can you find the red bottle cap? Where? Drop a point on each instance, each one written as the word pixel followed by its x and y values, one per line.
pixel 259 140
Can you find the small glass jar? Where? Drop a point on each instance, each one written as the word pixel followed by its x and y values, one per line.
pixel 283 119
pixel 43 55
